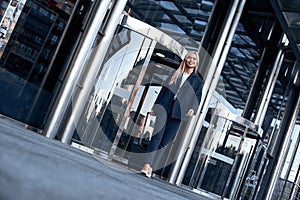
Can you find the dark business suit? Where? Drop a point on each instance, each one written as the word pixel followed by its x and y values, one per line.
pixel 170 111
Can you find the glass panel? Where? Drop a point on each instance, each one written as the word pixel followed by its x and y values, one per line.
pixel 225 151
pixel 136 129
pixel 213 134
pixel 116 120
pixel 252 178
pixel 291 164
pixel 183 20
pixel 30 32
pixel 10 12
pixel 240 164
pixel 111 98
pixel 220 164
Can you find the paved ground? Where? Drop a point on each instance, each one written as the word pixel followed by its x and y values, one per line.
pixel 33 167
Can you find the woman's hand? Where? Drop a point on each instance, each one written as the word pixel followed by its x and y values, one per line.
pixel 190 113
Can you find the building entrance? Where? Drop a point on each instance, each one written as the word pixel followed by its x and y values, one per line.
pixel 115 122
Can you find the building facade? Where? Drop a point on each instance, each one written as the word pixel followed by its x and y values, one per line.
pixel 88 72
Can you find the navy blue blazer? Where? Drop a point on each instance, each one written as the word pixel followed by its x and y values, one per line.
pixel 188 97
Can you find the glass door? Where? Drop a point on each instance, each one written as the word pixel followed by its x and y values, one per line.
pixel 116 86
pixel 115 122
pixel 219 165
pixel 137 124
pixel 225 153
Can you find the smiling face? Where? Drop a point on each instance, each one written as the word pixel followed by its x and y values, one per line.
pixel 191 60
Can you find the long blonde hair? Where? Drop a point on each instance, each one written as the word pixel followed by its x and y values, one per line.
pixel 181 67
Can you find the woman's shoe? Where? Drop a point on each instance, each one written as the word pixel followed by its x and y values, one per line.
pixel 147 172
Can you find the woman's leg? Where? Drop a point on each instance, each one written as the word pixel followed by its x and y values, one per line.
pixel 169 134
pixel 159 129
pixel 155 141
pixel 161 122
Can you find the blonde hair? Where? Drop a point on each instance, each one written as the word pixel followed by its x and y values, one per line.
pixel 181 67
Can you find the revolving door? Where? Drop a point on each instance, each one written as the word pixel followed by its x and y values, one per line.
pixel 115 117
pixel 224 155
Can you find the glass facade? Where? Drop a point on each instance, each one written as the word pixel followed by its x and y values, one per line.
pixel 242 144
pixel 31 32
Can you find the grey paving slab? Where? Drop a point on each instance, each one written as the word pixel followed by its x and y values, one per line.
pixel 33 167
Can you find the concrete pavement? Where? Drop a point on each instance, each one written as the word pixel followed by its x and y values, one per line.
pixel 33 167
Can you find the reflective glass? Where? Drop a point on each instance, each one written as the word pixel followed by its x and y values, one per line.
pixel 183 20
pixel 30 33
pixel 221 154
pixel 113 89
pixel 116 118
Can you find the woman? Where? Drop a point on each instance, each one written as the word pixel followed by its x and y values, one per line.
pixel 177 101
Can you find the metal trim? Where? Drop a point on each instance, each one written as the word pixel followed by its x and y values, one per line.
pixel 154 34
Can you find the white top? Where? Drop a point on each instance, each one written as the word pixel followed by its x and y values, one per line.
pixel 184 77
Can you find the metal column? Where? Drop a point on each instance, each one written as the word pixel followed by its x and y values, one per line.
pixel 280 147
pixel 210 84
pixel 264 102
pixel 295 187
pixel 266 60
pixel 90 78
pixel 64 100
pixel 289 169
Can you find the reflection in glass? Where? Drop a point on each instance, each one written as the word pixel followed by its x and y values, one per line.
pixel 172 18
pixel 9 20
pixel 30 32
pixel 115 83
pixel 116 119
pixel 225 149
